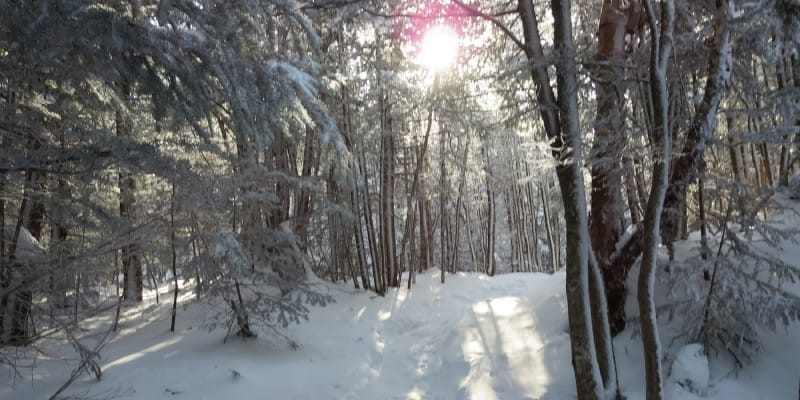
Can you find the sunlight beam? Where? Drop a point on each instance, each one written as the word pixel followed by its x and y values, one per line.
pixel 439 48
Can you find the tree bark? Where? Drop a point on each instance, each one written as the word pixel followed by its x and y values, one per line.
pixel 411 196
pixel 491 266
pixel 174 258
pixel 551 239
pixel 661 51
pixel 585 364
pixel 386 217
pixel 303 200
pixel 443 204
pixel 685 166
pixel 605 224
pixel 132 277
pixel 375 254
pixel 59 276
pixel 131 264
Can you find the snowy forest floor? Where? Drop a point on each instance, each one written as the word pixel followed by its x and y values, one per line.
pixel 474 337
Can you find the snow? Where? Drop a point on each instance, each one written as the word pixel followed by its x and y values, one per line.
pixel 475 337
pixel 690 368
pixel 28 248
pixel 794 187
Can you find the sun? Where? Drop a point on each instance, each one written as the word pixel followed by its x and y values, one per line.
pixel 439 48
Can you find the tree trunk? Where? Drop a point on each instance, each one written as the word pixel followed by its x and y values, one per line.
pixel 302 204
pixel 375 254
pixel 174 258
pixel 59 276
pixel 685 166
pixel 19 274
pixel 533 212
pixel 443 204
pixel 354 194
pixel 470 242
pixel 491 267
pixel 601 329
pixel 59 249
pixel 551 240
pixel 605 225
pixel 455 240
pixel 783 73
pixel 661 51
pixel 795 70
pixel 131 264
pixel 736 163
pixel 411 196
pixel 584 361
pixel 426 227
pixel 634 203
pixel 359 236
pixel 387 236
pixel 132 277
pixel 766 164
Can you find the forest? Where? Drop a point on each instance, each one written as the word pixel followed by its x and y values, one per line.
pixel 602 196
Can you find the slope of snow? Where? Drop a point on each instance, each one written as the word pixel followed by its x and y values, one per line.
pixel 474 337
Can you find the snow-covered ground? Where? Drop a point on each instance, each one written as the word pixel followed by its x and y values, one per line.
pixel 474 337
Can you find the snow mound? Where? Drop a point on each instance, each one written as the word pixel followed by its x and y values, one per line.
pixel 28 248
pixel 690 368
